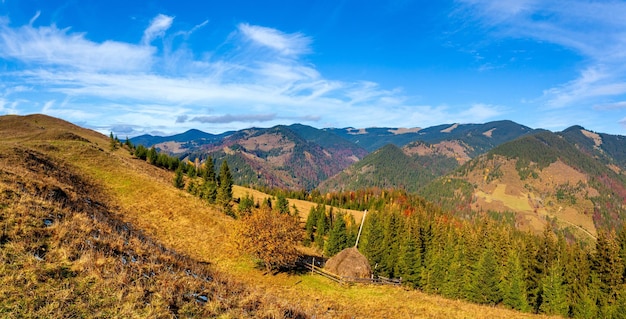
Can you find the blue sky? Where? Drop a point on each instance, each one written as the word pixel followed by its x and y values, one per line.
pixel 163 67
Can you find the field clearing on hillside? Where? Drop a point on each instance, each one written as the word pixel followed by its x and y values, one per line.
pixel 303 206
pixel 511 202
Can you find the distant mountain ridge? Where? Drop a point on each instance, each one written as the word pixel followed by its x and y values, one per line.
pixel 303 157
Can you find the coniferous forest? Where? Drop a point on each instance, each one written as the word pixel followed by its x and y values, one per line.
pixel 479 259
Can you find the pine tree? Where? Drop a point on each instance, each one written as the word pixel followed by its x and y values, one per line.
pixel 113 142
pixel 282 204
pixel 208 173
pixel 337 238
pixel 454 280
pixel 246 204
pixel 152 156
pixel 514 284
pixel 225 188
pixel 321 229
pixel 372 240
pixel 554 296
pixel 409 264
pixel 608 265
pixel 309 227
pixel 484 285
pixel 178 179
pixel 391 244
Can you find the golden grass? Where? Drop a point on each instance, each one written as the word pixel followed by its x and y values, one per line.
pixel 304 207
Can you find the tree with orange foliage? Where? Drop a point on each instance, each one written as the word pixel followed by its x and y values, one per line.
pixel 270 236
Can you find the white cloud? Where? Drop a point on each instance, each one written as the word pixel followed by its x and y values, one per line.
pixel 286 44
pixel 157 28
pixel 53 47
pixel 593 29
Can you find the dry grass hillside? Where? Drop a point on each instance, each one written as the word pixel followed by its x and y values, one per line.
pixel 500 188
pixel 87 231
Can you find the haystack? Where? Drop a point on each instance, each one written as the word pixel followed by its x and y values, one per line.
pixel 349 263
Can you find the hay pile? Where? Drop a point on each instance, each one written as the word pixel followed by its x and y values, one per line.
pixel 349 263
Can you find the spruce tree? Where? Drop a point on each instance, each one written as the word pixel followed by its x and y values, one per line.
pixel 208 173
pixel 321 228
pixel 152 156
pixel 608 265
pixel 225 188
pixel 372 241
pixel 178 179
pixel 309 227
pixel 454 280
pixel 554 296
pixel 113 142
pixel 282 204
pixel 409 264
pixel 337 238
pixel 514 284
pixel 485 280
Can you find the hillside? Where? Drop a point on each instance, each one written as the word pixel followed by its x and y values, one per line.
pixel 539 177
pixel 409 168
pixel 295 156
pixel 90 231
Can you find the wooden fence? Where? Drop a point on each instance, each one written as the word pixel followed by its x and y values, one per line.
pixel 379 280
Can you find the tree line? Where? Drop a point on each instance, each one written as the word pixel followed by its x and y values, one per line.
pixel 199 179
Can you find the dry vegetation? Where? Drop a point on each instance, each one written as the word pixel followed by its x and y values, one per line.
pixel 89 232
pixel 500 188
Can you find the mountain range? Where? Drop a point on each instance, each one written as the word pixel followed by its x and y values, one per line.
pixel 575 176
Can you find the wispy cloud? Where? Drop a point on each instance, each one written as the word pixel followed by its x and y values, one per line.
pixel 593 29
pixel 229 118
pixel 157 28
pixel 285 44
pixel 46 47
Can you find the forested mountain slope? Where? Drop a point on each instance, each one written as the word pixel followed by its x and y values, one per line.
pixel 539 177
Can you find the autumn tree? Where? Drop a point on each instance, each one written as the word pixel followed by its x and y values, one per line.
pixel 270 236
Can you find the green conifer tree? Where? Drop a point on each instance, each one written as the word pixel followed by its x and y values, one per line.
pixel 409 264
pixel 152 156
pixel 484 285
pixel 337 238
pixel 514 284
pixel 225 188
pixel 321 229
pixel 608 265
pixel 282 204
pixel 208 173
pixel 179 182
pixel 554 296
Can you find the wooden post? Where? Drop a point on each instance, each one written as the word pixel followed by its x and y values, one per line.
pixel 356 245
